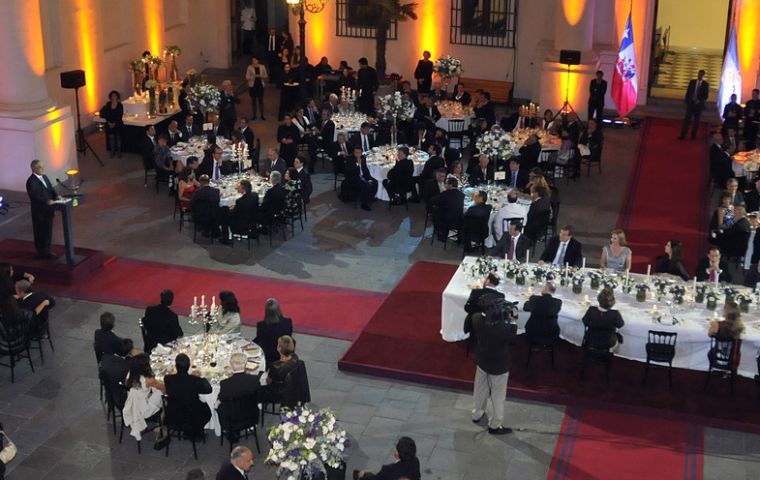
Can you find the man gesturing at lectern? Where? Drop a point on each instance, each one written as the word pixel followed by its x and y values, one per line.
pixel 42 196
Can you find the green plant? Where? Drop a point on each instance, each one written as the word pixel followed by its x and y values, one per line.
pixel 385 12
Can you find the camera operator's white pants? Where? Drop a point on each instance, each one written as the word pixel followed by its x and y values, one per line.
pixel 490 387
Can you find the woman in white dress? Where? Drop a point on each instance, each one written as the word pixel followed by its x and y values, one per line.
pixel 230 320
pixel 144 396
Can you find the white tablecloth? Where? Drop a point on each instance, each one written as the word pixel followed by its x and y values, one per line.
pixel 443 122
pixel 379 169
pixel 227 186
pixel 691 347
pixel 141 120
pixel 744 163
pixel 194 148
pixel 497 198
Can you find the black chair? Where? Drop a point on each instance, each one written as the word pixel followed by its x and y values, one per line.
pixel 339 170
pixel 294 211
pixel 40 330
pixel 456 131
pixel 14 343
pixel 594 159
pixel 600 355
pixel 457 228
pixel 163 176
pixel 152 422
pixel 184 213
pixel 239 414
pixel 115 396
pixel 401 195
pixel 660 348
pixel 543 344
pixel 252 232
pixel 293 391
pixel 182 427
pixel 724 359
pixel 148 166
pixel 430 211
pixel 474 234
pixel 279 222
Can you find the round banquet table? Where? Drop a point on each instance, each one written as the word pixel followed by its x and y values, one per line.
pixel 218 348
pixel 348 124
pixel 746 163
pixel 497 198
pixel 443 122
pixel 691 347
pixel 549 143
pixel 380 161
pixel 194 148
pixel 227 186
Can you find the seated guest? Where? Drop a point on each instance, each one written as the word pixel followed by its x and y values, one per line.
pixel 722 219
pixel 400 176
pixel 731 327
pixel 734 240
pixel 333 103
pixel 713 268
pixel 732 187
pixel 563 249
pixel 36 302
pixel 213 164
pixel 449 206
pixel 433 187
pixel 516 177
pixel 671 264
pixel 407 465
pixel 460 95
pixel 476 220
pixel 274 200
pixel 9 277
pixel 292 186
pixel 539 213
pixel 427 113
pixel 603 323
pixel 288 136
pixel 183 401
pixel 113 370
pixel 240 218
pixel 303 176
pixel 174 134
pixel 483 108
pixel 187 186
pixel 752 197
pixel 147 145
pixel 241 462
pixel 358 181
pixel 162 156
pixel 592 138
pixel 483 173
pixel 229 322
pixel 105 341
pixel 363 138
pixel 160 322
pixel 288 360
pixel 720 162
pixel 340 152
pixel 616 256
pixel 544 310
pixel 409 94
pixel 457 172
pixel 240 384
pixel 530 152
pixel 143 397
pixel 548 121
pixel 433 163
pixel 269 330
pixel 424 137
pixel 204 205
pixel 536 177
pixel 513 245
pixel 189 128
pixel 510 210
pixel 437 93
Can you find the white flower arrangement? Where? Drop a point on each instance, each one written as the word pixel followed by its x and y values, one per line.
pixel 173 50
pixel 447 67
pixel 496 143
pixel 305 442
pixel 396 106
pixel 205 97
pixel 151 84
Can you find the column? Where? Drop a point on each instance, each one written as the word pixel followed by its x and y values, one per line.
pixel 23 93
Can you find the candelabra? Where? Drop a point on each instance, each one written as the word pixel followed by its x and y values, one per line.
pixel 205 315
pixel 527 113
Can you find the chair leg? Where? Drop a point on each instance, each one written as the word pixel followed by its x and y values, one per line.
pixel 169 433
pixel 29 356
pixel 121 430
pixel 552 357
pixel 646 372
pixel 195 449
pixel 707 379
pixel 50 337
pixel 733 376
pixel 13 368
pixel 670 374
pixel 139 448
pixel 255 437
pixel 39 345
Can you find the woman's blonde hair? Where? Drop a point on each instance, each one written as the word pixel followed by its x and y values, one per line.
pixel 621 236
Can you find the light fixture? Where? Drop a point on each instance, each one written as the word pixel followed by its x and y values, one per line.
pixel 73 179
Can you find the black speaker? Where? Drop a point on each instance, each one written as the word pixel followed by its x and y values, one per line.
pixel 72 79
pixel 570 57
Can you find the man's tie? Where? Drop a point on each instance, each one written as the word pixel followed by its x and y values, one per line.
pixel 561 258
pixel 696 90
pixel 712 276
pixel 343 148
pixel 217 172
pixel 511 254
pixel 271 43
pixel 365 143
pixel 514 180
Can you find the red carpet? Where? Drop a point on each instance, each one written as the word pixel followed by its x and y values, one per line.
pixel 402 341
pixel 667 192
pixel 315 309
pixel 605 444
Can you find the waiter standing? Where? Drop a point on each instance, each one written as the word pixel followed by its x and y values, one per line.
pixel 42 195
pixel 596 91
pixel 695 98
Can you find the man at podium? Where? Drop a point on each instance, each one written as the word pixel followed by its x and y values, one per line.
pixel 42 196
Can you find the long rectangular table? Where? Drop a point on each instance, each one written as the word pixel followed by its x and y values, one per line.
pixel 692 344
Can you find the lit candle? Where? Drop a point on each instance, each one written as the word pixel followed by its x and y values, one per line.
pixel 195 301
pixel 203 300
pixel 649 270
pixel 584 263
pixel 213 301
pixel 654 308
pixel 585 298
pixel 695 285
pixel 527 256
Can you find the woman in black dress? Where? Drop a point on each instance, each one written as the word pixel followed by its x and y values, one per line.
pixel 256 76
pixel 671 263
pixel 460 95
pixel 113 113
pixel 274 326
pixel 603 323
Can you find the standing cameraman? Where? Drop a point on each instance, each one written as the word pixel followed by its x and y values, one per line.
pixel 495 330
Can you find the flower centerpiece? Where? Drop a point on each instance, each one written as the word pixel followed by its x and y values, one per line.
pixel 730 293
pixel 595 278
pixel 521 275
pixel 540 272
pixel 496 143
pixel 395 106
pixel 483 266
pixel 448 67
pixel 577 280
pixel 711 299
pixel 155 62
pixel 699 295
pixel 744 299
pixel 511 267
pixel 641 292
pixel 609 282
pixel 204 97
pixel 306 443
pixel 173 51
pixel 151 86
pixel 678 292
pixel 137 68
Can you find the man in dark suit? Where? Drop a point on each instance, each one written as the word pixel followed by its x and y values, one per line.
pixel 303 176
pixel 720 162
pixel 160 322
pixel 423 139
pixel 516 176
pixel 227 109
pixel 695 98
pixel 241 462
pixel 513 245
pixel 713 268
pixel 274 200
pixel 240 384
pixel 449 207
pixel 274 42
pixel 368 83
pixel 539 213
pixel 113 369
pixel 427 113
pixel 174 134
pixel 475 223
pixel 182 391
pixel 359 180
pixel 530 153
pixel 246 132
pixel 242 216
pixel 189 129
pixel 563 249
pixel 400 178
pixel 39 303
pixel 363 138
pixel 204 204
pixel 212 163
pixel 484 109
pixel 596 91
pixel 42 195
pixel 478 299
pixel 325 137
pixel 424 73
pixel 544 310
pixel 752 119
pixel 483 172
pixel 732 114
pixel 274 162
pixel 433 187
pixel 433 163
pixel 106 342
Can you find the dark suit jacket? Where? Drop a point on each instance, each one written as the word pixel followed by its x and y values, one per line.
pixel 306 186
pixel 433 163
pixel 422 113
pixel 704 91
pixel 522 178
pixel 179 136
pixel 327 132
pixel 450 208
pixel 492 353
pixel 239 385
pixel 246 212
pixel 430 191
pixel 108 343
pixel 544 310
pixel 356 141
pixel 529 155
pixel 502 248
pixel 182 390
pixel 267 335
pixel 205 205
pixel 248 138
pixel 596 91
pixel 539 215
pixel 193 130
pixel 475 304
pixel 424 74
pixel 229 472
pixel 703 276
pixel 602 327
pixel 274 203
pixel 487 112
pixel 720 166
pixel 400 176
pixel 161 325
pixel 409 469
pixel 32 301
pixel 367 80
pixel 279 166
pixel 573 253
pixel 478 177
pixel 39 196
pixel 428 140
pixel 113 370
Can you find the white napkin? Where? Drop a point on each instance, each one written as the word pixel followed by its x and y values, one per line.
pixel 162 350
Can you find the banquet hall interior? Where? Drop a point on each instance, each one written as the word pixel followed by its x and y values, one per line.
pixel 213 185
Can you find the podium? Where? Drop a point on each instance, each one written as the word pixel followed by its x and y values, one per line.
pixel 65 206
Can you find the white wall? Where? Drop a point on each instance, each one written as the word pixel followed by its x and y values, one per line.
pixel 699 24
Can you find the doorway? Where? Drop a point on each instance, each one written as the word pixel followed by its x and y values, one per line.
pixel 689 35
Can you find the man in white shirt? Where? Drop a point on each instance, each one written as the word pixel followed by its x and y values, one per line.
pixel 241 462
pixel 563 249
pixel 510 210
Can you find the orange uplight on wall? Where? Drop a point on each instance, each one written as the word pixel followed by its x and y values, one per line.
pixel 56 131
pixel 86 31
pixel 747 35
pixel 573 10
pixel 569 85
pixel 429 22
pixel 154 26
pixel 318 35
pixel 33 50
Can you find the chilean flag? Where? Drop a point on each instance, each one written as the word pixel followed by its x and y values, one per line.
pixel 731 77
pixel 625 84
